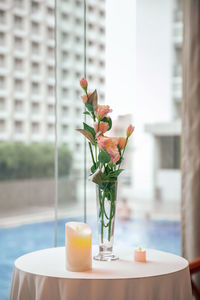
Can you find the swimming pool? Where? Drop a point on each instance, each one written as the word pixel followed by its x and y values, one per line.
pixel 16 241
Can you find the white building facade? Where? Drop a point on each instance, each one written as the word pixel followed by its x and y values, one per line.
pixel 158 101
pixel 28 68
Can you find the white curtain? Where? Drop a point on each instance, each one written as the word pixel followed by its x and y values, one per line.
pixel 191 132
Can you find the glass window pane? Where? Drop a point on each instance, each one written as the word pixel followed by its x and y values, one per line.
pixel 27 133
pixel 70 144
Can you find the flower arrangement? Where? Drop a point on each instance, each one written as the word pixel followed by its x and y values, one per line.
pixel 107 154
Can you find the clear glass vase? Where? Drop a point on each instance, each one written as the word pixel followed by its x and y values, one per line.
pixel 106 196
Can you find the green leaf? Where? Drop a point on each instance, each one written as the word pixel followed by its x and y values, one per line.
pixel 89 107
pixel 90 129
pixel 93 100
pixel 104 157
pixel 109 121
pixel 86 113
pixel 116 173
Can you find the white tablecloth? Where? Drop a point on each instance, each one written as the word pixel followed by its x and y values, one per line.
pixel 41 275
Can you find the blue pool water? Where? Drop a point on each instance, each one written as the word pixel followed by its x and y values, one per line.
pixel 16 241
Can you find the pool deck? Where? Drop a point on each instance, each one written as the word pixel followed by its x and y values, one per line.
pixel 166 211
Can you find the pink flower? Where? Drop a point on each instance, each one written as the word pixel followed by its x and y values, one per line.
pixel 122 142
pixel 103 127
pixel 114 153
pixel 102 111
pixel 129 130
pixel 85 97
pixel 84 83
pixel 103 141
pixel 109 145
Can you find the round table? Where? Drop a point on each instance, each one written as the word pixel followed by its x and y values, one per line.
pixel 41 275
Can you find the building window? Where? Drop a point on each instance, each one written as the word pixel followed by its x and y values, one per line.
pixel 65 16
pixel 78 3
pixel 78 93
pixel 102 30
pixel 78 146
pixel 50 33
pixel 102 80
pixel 90 43
pixel 90 8
pixel 35 88
pixel 64 36
pixel 50 11
pixel 35 126
pixel 18 126
pixel 90 60
pixel 51 109
pixel 18 106
pixel 65 110
pixel 35 27
pixel 77 39
pixel 18 64
pixel 2 103
pixel 50 71
pixel 50 52
pixel 2 38
pixel 2 82
pixel 35 48
pixel 50 128
pixel 35 6
pixel 35 68
pixel 2 17
pixel 101 63
pixel 2 60
pixel 78 111
pixel 65 92
pixel 102 96
pixel 78 57
pixel 170 150
pixel 90 26
pixel 18 22
pixel 18 85
pixel 102 13
pixel 102 47
pixel 65 128
pixel 65 74
pixel 50 90
pixel 78 21
pixel 2 125
pixel 65 55
pixel 35 107
pixel 18 43
pixel 78 75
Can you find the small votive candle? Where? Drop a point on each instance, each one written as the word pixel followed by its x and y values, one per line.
pixel 140 255
pixel 78 246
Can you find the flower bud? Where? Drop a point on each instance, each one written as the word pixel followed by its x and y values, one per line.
pixel 129 130
pixel 84 83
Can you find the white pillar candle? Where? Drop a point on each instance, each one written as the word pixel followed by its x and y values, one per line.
pixel 78 246
pixel 140 255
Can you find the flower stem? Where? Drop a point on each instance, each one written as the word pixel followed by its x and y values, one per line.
pixel 96 152
pixel 91 152
pixel 123 153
